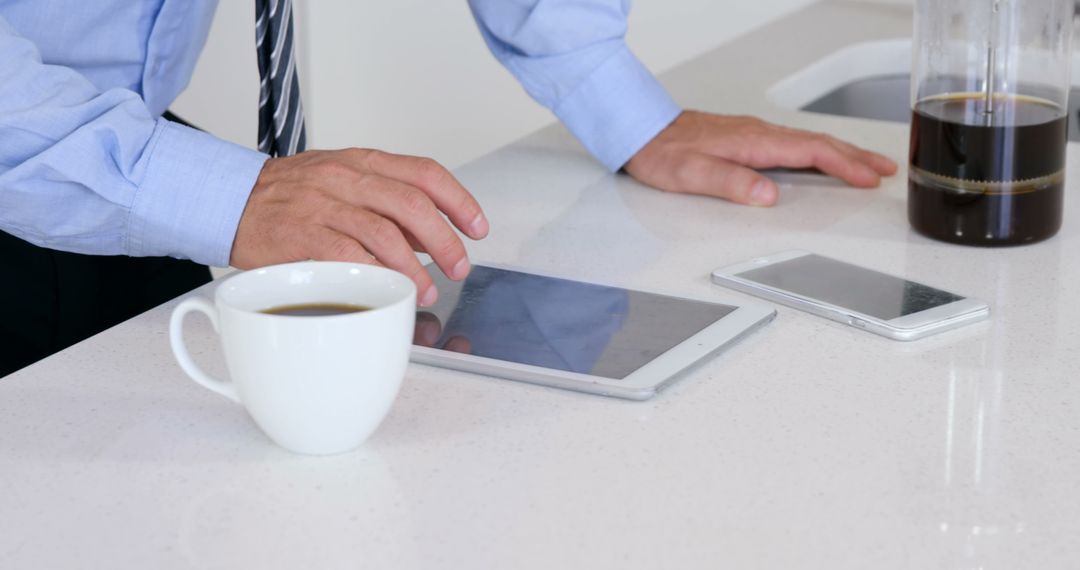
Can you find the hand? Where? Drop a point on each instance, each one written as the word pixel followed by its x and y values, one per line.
pixel 363 206
pixel 715 155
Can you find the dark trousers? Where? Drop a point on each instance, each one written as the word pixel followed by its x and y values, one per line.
pixel 51 299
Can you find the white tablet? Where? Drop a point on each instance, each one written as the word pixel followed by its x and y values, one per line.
pixel 573 335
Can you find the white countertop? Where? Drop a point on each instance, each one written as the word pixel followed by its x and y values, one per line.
pixel 808 445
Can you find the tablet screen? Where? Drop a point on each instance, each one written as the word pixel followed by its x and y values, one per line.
pixel 558 323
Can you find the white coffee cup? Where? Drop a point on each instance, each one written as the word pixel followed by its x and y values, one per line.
pixel 317 385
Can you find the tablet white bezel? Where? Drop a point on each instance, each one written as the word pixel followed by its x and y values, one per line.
pixel 903 328
pixel 641 384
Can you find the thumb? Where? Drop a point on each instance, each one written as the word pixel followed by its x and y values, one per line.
pixel 712 176
pixel 699 173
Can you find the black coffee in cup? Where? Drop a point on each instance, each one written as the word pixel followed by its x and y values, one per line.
pixel 315 309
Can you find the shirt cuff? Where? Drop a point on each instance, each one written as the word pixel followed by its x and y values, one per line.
pixel 191 198
pixel 618 109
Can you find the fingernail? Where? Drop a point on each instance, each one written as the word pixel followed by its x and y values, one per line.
pixel 429 297
pixel 478 228
pixel 762 194
pixel 460 270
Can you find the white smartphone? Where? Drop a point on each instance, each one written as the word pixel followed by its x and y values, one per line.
pixel 883 304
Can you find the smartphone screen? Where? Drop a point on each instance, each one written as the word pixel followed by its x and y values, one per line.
pixel 850 286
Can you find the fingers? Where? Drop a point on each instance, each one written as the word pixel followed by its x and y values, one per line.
pixel 324 244
pixel 677 159
pixel 789 148
pixel 697 173
pixel 420 225
pixel 330 205
pixel 384 239
pixel 882 164
pixel 444 190
pixel 844 160
pixel 792 148
pixel 830 157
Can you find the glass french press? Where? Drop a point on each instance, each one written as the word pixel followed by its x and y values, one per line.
pixel 990 89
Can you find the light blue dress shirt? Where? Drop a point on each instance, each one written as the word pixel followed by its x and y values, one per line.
pixel 87 164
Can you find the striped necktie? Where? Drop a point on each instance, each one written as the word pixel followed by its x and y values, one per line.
pixel 281 113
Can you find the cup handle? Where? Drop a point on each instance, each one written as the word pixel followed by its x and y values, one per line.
pixel 176 338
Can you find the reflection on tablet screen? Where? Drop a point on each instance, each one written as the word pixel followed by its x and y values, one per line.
pixel 557 323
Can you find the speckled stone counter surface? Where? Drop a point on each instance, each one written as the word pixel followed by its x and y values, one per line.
pixel 808 445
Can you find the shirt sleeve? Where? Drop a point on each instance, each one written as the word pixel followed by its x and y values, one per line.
pixel 91 171
pixel 571 57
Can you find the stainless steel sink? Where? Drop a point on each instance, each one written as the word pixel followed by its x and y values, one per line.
pixel 887 98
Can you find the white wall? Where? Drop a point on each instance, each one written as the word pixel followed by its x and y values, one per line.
pixel 414 76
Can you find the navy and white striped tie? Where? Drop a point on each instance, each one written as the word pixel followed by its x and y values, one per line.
pixel 281 114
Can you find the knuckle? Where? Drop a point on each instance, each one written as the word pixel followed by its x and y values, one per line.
pixel 370 156
pixel 449 247
pixel 334 168
pixel 747 131
pixel 382 232
pixel 361 158
pixel 416 203
pixel 354 153
pixel 321 244
pixel 364 179
pixel 419 275
pixel 468 207
pixel 751 124
pixel 430 171
pixel 342 248
pixel 367 159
